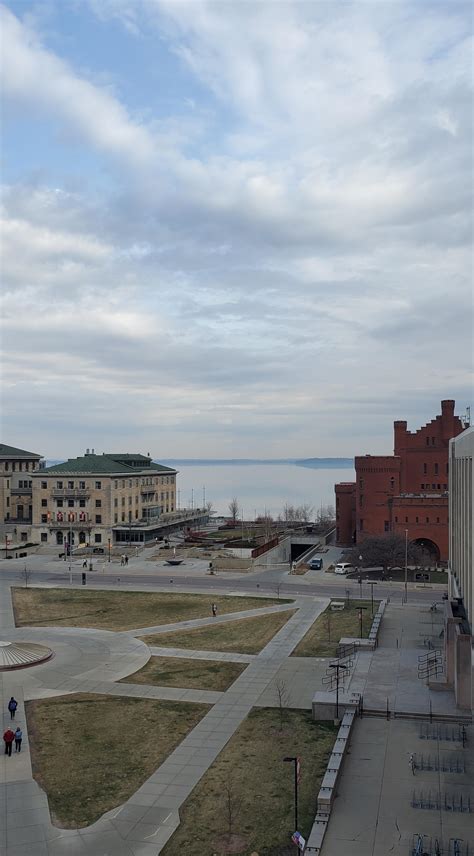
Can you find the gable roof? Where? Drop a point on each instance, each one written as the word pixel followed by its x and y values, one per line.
pixel 11 452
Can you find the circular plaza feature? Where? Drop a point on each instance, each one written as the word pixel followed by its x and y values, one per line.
pixel 20 655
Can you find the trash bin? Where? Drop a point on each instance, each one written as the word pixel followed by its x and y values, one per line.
pixel 83 578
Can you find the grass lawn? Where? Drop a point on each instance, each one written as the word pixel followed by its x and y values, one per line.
pixel 250 785
pixel 80 755
pixel 116 610
pixel 323 636
pixel 246 636
pixel 191 674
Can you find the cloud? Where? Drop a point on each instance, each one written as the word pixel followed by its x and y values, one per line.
pixel 38 78
pixel 270 266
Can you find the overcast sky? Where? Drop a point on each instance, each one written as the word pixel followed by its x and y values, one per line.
pixel 234 228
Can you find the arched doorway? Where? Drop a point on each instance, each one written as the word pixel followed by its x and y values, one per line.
pixel 59 538
pixel 82 537
pixel 428 551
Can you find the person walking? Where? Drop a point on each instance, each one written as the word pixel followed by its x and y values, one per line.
pixel 214 609
pixel 122 559
pixel 126 560
pixel 18 739
pixel 12 706
pixel 8 737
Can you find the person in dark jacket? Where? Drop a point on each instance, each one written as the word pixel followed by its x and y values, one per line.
pixel 12 706
pixel 8 737
pixel 18 739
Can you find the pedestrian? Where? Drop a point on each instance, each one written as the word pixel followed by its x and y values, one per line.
pixel 126 560
pixel 122 559
pixel 214 609
pixel 18 739
pixel 12 706
pixel 8 737
pixel 84 564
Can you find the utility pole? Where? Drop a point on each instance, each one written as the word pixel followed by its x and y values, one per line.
pixel 371 583
pixel 361 609
pixel 296 762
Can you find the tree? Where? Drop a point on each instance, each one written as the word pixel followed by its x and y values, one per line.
pixel 234 509
pixel 281 691
pixel 304 512
pixel 326 515
pixel 386 551
pixel 209 507
pixel 232 804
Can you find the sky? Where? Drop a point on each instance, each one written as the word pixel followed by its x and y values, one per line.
pixel 234 229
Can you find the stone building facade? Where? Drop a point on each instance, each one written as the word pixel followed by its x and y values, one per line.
pixel 97 499
pixel 403 492
pixel 16 491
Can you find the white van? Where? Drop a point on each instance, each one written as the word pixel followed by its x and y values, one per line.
pixel 343 568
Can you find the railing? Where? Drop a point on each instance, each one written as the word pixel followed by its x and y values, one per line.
pixel 69 491
pixel 21 491
pixel 66 524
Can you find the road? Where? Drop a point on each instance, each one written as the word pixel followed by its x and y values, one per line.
pixel 269 582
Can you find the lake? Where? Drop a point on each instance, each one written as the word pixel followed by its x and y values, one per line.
pixel 257 487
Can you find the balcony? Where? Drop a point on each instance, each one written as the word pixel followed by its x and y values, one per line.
pixel 21 491
pixel 70 492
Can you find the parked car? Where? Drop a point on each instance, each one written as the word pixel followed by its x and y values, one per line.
pixel 343 568
pixel 316 563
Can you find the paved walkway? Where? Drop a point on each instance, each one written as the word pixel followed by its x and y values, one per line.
pixel 93 661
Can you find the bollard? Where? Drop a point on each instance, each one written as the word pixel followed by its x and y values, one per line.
pixel 83 578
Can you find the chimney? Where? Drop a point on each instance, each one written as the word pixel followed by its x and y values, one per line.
pixel 447 419
pixel 399 431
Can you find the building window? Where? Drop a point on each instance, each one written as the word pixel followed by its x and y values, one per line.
pixel 386 526
pixel 82 503
pixel 8 502
pixel 123 482
pixel 6 466
pixel 44 485
pixel 98 485
pixel 361 483
pixel 129 500
pixel 129 482
pixel 115 518
pixel 437 520
pixel 433 441
pixel 98 503
pixel 406 519
pixel 445 486
pixel 98 518
pixel 116 484
pixel 44 503
pixel 59 485
pixel 136 499
pixel 439 487
pixel 98 538
pixel 392 483
pixel 427 441
pixel 422 486
pixel 116 502
pixel 82 485
pixel 433 487
pixel 59 503
pixel 70 485
pixel 44 518
pixel 123 516
pixel 44 536
pixel 416 519
pixel 361 525
pixel 123 501
pixel 396 520
pixel 436 469
pixel 425 469
pixel 427 519
pixel 70 503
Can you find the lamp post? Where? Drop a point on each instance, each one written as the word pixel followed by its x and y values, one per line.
pixel 108 545
pixel 296 762
pixel 361 561
pixel 361 609
pixel 406 565
pixel 371 583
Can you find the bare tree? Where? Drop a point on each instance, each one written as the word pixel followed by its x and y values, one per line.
pixel 386 551
pixel 26 574
pixel 304 512
pixel 325 515
pixel 234 509
pixel 282 696
pixel 209 507
pixel 232 804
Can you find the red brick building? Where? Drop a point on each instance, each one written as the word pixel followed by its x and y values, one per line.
pixel 406 491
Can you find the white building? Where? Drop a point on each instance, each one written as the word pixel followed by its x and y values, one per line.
pixel 461 503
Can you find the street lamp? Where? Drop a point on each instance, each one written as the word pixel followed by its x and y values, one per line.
pixel 108 544
pixel 361 562
pixel 361 609
pixel 296 762
pixel 406 565
pixel 371 583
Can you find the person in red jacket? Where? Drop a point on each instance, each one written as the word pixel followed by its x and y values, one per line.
pixel 8 737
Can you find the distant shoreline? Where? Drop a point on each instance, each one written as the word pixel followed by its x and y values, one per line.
pixel 314 463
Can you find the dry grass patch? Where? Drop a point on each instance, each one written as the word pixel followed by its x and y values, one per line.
pixel 322 638
pixel 91 753
pixel 114 610
pixel 245 636
pixel 188 673
pixel 247 794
